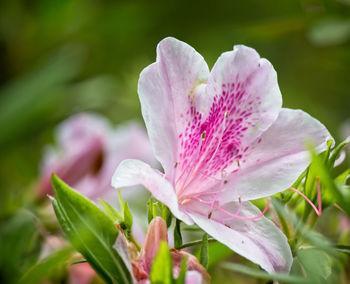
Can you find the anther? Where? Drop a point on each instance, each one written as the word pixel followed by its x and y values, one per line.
pixel 238 163
pixel 226 114
pixel 203 135
pixel 209 215
pixel 175 165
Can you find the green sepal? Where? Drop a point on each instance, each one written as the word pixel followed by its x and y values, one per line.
pixel 111 212
pixel 177 234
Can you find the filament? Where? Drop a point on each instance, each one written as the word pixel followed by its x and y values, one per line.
pixel 319 200
pixel 235 215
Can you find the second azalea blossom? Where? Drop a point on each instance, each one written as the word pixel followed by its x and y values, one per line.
pixel 223 139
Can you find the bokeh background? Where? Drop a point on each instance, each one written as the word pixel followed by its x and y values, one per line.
pixel 61 57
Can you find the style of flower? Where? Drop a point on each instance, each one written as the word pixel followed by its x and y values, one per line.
pixel 223 139
pixel 88 151
pixel 141 263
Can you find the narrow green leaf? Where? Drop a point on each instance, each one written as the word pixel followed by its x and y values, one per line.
pixel 111 212
pixel 166 215
pixel 246 270
pixel 162 267
pixel 83 260
pixel 19 244
pixel 177 234
pixel 336 153
pixel 150 210
pixel 318 270
pixel 342 177
pixel 204 256
pixel 90 231
pixel 183 269
pixel 343 248
pixel 127 216
pixel 47 267
pixel 217 251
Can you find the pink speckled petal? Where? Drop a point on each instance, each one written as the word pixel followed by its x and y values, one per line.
pixel 248 89
pixel 135 172
pixel 165 90
pixel 245 101
pixel 259 241
pixel 278 157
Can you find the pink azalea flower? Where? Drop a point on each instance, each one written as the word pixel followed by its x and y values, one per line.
pixel 88 151
pixel 223 139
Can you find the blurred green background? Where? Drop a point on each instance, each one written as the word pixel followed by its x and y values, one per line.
pixel 60 57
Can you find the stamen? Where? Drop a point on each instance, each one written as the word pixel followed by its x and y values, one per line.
pixel 202 157
pixel 319 199
pixel 235 215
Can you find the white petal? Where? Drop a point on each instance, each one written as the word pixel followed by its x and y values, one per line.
pixel 165 90
pixel 259 241
pixel 273 164
pixel 134 172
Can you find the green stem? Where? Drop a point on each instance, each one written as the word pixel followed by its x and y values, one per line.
pixel 132 239
pixel 284 225
pixel 194 243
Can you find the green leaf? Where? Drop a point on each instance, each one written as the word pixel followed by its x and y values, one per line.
pixel 47 267
pixel 333 190
pixel 19 245
pixel 90 231
pixel 83 260
pixel 315 262
pixel 217 251
pixel 342 177
pixel 111 212
pixel 162 267
pixel 166 215
pixel 336 153
pixel 343 248
pixel 246 270
pixel 177 234
pixel 204 256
